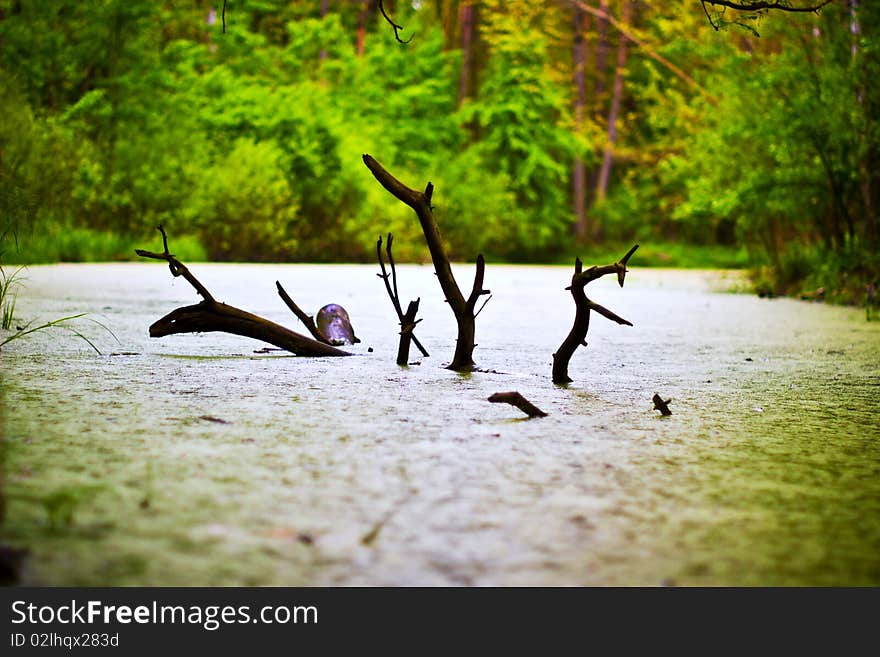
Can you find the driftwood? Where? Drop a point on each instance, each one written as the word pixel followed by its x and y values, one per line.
pixel 211 315
pixel 516 399
pixel 407 320
pixel 464 309
pixel 578 334
pixel 661 404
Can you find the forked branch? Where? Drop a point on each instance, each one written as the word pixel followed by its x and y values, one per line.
pixel 462 308
pixel 578 334
pixel 391 288
pixel 177 268
pixel 394 25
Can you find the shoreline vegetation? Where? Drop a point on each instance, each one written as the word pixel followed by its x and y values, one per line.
pixel 83 245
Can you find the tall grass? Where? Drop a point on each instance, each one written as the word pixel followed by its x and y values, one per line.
pixel 8 296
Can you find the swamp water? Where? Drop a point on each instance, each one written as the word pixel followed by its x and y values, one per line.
pixel 192 460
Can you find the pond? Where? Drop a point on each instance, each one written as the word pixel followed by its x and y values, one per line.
pixel 193 460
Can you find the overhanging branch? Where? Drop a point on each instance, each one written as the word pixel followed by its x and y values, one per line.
pixel 759 6
pixel 394 25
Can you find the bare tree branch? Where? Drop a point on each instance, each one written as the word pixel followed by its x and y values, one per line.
pixel 395 299
pixel 661 404
pixel 177 268
pixel 420 202
pixel 407 325
pixel 746 5
pixel 755 8
pixel 478 290
pixel 307 321
pixel 578 334
pixel 393 25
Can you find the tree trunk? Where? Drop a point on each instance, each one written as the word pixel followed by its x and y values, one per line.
pixel 579 184
pixel 365 13
pixel 466 20
pixel 324 7
pixel 407 324
pixel 616 96
pixel 447 11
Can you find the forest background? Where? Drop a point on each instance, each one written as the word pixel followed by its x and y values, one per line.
pixel 550 129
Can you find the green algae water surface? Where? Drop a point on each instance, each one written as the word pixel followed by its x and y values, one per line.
pixel 193 460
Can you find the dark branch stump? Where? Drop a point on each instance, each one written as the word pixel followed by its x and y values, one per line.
pixel 661 404
pixel 210 315
pixel 407 324
pixel 578 335
pixel 463 309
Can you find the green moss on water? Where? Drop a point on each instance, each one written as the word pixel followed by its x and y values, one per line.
pixel 112 477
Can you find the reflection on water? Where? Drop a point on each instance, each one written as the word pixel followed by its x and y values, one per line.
pixel 355 471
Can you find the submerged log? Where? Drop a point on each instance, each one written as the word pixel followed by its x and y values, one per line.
pixel 211 315
pixel 516 399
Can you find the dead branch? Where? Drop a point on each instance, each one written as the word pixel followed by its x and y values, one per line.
pixel 177 268
pixel 756 7
pixel 516 399
pixel 578 334
pixel 210 315
pixel 462 308
pixel 394 25
pixel 391 288
pixel 747 5
pixel 307 321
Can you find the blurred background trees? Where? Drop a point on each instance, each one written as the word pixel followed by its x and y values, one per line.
pixel 548 128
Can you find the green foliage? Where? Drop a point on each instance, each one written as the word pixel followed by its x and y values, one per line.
pixel 244 208
pixel 519 117
pixel 120 115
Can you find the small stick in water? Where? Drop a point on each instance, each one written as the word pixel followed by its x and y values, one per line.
pixel 661 405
